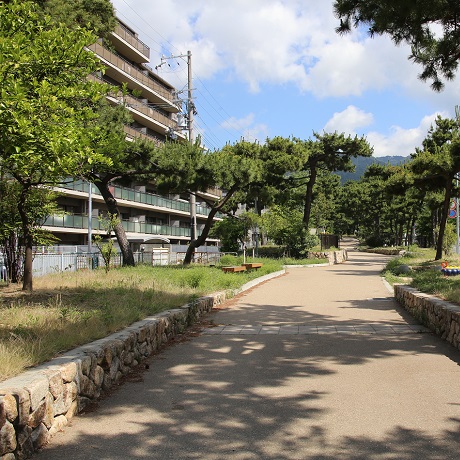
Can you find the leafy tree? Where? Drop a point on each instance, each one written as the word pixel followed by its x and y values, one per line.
pixel 416 22
pixel 106 136
pixel 46 102
pixel 284 225
pixel 325 200
pixel 437 164
pixel 97 16
pixel 233 169
pixel 106 248
pixel 40 204
pixel 233 231
pixel 328 152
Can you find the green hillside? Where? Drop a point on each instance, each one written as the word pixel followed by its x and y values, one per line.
pixel 361 164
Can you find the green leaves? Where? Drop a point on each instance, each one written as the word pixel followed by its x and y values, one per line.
pixel 412 22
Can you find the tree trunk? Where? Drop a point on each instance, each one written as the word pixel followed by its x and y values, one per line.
pixel 197 242
pixel 444 215
pixel 27 284
pixel 309 197
pixel 112 207
pixel 14 254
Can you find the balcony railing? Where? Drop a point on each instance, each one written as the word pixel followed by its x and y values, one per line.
pixel 140 106
pixel 76 221
pixel 130 38
pixel 131 70
pixel 135 133
pixel 136 196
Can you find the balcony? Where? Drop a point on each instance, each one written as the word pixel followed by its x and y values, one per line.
pixel 144 113
pixel 145 198
pixel 129 44
pixel 134 133
pixel 80 222
pixel 122 70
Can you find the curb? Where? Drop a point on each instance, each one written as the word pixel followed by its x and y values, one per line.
pixel 39 402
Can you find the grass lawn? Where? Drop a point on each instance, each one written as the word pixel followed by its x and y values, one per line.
pixel 69 309
pixel 424 273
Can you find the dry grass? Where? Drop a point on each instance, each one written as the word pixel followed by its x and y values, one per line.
pixel 69 309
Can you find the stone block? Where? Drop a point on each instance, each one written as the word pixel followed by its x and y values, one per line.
pixel 85 365
pixel 40 436
pixel 97 376
pixel 69 372
pixel 60 422
pixel 108 357
pixel 8 442
pixel 87 387
pixel 56 385
pixel 8 408
pixel 25 447
pixel 43 412
pixel 63 403
pixel 73 410
pixel 107 383
pixel 142 335
pixel 114 368
pixel 83 402
pixel 22 398
pixel 37 388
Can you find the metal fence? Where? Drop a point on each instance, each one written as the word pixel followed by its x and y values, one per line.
pixel 44 264
pixel 73 258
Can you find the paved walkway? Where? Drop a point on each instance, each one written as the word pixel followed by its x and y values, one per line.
pixel 317 364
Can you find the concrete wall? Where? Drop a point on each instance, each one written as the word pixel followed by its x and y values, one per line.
pixel 442 317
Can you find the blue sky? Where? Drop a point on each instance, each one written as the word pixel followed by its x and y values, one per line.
pixel 263 68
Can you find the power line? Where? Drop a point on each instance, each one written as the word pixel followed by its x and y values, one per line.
pixel 177 70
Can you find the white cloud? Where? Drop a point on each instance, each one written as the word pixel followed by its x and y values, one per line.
pixel 251 131
pixel 398 141
pixel 289 43
pixel 270 42
pixel 349 120
pixel 401 141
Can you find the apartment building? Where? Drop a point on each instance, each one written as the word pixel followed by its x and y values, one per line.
pixel 150 220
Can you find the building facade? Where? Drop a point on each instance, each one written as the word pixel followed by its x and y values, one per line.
pixel 150 220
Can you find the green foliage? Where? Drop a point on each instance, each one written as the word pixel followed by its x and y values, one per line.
pixel 233 231
pixel 106 247
pixel 414 23
pixel 311 161
pixel 46 104
pixel 285 227
pixel 228 260
pixel 96 15
pixel 433 282
pixel 274 252
pixel 39 205
pixel 450 237
pixel 436 166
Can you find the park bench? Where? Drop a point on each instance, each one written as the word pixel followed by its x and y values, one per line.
pixel 253 265
pixel 233 269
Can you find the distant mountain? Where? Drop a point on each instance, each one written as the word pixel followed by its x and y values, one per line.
pixel 361 164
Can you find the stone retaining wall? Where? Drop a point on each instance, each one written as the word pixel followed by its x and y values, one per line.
pixel 440 316
pixel 334 257
pixel 40 402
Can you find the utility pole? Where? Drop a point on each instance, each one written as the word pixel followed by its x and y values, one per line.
pixel 191 138
pixel 90 217
pixel 190 113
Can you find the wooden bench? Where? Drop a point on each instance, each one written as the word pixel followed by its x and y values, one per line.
pixel 253 266
pixel 240 268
